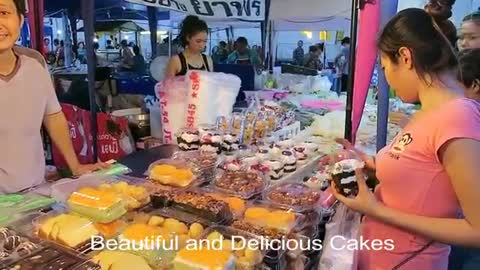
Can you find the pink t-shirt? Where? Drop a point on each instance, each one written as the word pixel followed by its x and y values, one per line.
pixel 413 180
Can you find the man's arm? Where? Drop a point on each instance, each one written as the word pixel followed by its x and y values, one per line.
pixel 57 127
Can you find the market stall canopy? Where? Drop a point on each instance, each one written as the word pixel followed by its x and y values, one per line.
pixel 104 10
pixel 115 26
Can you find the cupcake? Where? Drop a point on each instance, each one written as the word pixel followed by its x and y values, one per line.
pixel 301 154
pixel 251 161
pixel 343 174
pixel 289 160
pixel 188 139
pixel 276 168
pixel 275 150
pixel 230 142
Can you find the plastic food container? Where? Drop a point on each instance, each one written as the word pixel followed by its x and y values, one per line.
pixel 194 202
pixel 188 139
pixel 20 203
pixel 69 230
pixel 242 183
pixel 174 173
pixel 294 196
pixel 135 191
pixel 98 205
pixel 265 215
pixel 14 246
pixel 207 162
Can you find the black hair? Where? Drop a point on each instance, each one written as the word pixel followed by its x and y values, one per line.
pixel 124 42
pixel 242 40
pixel 81 42
pixel 313 49
pixel 62 43
pixel 222 44
pixel 56 42
pixel 96 46
pixel 109 42
pixel 416 30
pixel 321 46
pixel 136 50
pixel 475 17
pixel 345 40
pixel 469 70
pixel 191 26
pixel 441 11
pixel 20 6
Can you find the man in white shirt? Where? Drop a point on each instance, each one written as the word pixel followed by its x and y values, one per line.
pixel 27 101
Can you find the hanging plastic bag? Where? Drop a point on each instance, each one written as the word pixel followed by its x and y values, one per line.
pixel 114 138
pixel 210 95
pixel 343 227
pixel 172 94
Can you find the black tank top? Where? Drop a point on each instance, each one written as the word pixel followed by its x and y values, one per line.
pixel 186 67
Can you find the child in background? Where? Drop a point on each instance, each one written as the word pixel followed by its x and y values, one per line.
pixel 469 73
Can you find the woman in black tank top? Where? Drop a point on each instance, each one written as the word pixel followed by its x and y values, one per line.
pixel 193 37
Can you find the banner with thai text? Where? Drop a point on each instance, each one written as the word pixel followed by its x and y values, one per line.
pixel 252 10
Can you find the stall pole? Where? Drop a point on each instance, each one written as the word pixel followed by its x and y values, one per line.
pixel 152 23
pixel 170 35
pixel 88 7
pixel 264 29
pixel 389 8
pixel 351 72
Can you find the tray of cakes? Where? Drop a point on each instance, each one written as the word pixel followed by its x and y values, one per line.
pixel 175 173
pixel 241 183
pixel 293 196
pixel 237 204
pixel 196 202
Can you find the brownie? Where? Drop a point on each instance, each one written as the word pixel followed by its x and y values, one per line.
pixel 12 242
pixel 298 195
pixel 242 182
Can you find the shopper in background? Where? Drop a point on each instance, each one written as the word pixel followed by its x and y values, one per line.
pixel 46 45
pixel 109 45
pixel 429 173
pixel 469 37
pixel 298 54
pixel 139 65
pixel 193 38
pixel 126 55
pixel 341 63
pixel 243 55
pixel 220 53
pixel 60 55
pixel 26 90
pixel 312 59
pixel 441 11
pixel 82 53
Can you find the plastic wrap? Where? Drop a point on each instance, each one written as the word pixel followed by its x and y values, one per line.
pixel 298 197
pixel 241 183
pixel 265 215
pixel 343 175
pixel 175 173
pixel 207 162
pixel 237 205
pixel 102 206
pixel 11 204
pixel 172 94
pixel 205 87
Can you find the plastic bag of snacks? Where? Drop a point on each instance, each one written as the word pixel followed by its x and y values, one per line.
pixel 345 223
pixel 210 95
pixel 172 94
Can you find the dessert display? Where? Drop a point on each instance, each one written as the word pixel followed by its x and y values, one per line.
pixel 112 229
pixel 289 161
pixel 275 168
pixel 68 230
pixel 343 175
pixel 196 203
pixel 211 140
pixel 102 206
pixel 230 142
pixel 319 181
pixel 188 139
pixel 205 161
pixel 299 197
pixel 134 196
pixel 301 154
pixel 220 252
pixel 174 173
pixel 265 217
pixel 119 260
pixel 242 183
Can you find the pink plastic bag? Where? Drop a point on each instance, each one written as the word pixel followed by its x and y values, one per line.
pixel 323 104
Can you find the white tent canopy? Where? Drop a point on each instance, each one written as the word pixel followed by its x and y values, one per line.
pixel 288 9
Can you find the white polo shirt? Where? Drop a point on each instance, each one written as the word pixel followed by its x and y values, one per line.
pixel 26 97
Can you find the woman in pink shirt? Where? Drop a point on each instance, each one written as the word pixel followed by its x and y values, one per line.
pixel 430 173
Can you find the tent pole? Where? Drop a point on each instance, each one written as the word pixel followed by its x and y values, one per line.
pixel 351 71
pixel 88 7
pixel 152 23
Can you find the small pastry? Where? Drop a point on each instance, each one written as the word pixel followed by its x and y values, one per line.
pixel 263 153
pixel 188 139
pixel 276 168
pixel 301 154
pixel 289 160
pixel 230 142
pixel 343 174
